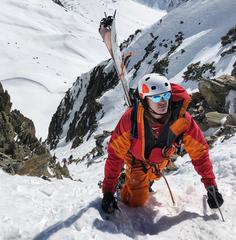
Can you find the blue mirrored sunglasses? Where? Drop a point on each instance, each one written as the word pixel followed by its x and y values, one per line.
pixel 157 98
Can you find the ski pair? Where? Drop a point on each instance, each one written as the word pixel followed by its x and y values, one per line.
pixel 107 31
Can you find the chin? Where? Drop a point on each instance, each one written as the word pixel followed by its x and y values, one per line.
pixel 159 114
pixel 163 112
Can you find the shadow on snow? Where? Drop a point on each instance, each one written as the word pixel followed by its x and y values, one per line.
pixel 128 221
pixel 67 223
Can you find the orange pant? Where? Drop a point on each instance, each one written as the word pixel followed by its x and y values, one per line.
pixel 135 191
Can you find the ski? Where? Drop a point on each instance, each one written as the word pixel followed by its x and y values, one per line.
pixel 108 33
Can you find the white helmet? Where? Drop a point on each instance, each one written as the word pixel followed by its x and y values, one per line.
pixel 153 84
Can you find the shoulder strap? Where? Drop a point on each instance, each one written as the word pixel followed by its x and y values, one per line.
pixel 134 126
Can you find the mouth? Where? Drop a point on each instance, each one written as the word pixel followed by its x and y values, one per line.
pixel 160 110
pixel 164 107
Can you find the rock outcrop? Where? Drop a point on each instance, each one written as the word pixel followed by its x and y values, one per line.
pixel 58 2
pixel 216 90
pixel 20 151
pixel 83 120
pixel 214 106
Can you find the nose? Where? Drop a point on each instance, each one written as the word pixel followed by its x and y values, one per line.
pixel 163 101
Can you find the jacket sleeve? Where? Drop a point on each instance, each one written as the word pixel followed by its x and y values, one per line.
pixel 197 148
pixel 118 148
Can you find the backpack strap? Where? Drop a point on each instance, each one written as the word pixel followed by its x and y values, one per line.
pixel 166 137
pixel 134 125
pixel 135 101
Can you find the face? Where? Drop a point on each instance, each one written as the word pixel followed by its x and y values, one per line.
pixel 159 104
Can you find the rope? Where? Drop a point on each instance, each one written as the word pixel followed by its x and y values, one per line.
pixel 171 195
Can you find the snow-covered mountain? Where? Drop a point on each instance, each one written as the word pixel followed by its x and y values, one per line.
pixel 163 4
pixel 189 40
pixel 44 47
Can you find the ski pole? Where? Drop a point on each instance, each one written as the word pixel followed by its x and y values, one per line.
pixel 216 201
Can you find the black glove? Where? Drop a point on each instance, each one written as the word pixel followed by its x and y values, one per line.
pixel 106 22
pixel 215 199
pixel 109 203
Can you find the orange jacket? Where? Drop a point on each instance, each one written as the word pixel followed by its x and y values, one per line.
pixel 123 147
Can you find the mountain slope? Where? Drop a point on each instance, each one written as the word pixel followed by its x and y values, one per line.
pixel 44 47
pixel 189 37
pixel 32 208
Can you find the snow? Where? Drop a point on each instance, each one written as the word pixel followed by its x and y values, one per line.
pixel 210 31
pixel 45 48
pixel 32 208
pixel 33 107
pixel 202 29
pixel 162 4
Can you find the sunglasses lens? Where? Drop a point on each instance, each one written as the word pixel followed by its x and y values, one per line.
pixel 157 98
pixel 167 96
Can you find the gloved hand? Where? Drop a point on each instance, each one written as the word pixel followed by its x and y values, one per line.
pixel 168 152
pixel 215 199
pixel 109 203
pixel 158 155
pixel 107 22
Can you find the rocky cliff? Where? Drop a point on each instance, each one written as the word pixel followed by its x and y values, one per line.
pixel 20 151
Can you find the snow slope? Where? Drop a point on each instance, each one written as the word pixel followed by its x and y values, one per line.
pixel 32 208
pixel 43 48
pixel 201 26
